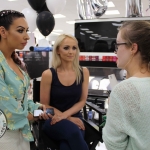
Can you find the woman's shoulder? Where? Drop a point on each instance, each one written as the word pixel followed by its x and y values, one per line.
pixel 131 87
pixel 47 73
pixel 125 86
pixel 132 81
pixel 85 70
pixel 125 83
pixel 85 73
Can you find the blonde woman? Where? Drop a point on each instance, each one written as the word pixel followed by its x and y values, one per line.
pixel 65 87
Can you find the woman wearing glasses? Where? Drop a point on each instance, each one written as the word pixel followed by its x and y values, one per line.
pixel 127 125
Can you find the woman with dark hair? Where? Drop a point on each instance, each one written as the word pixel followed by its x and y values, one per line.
pixel 14 82
pixel 128 123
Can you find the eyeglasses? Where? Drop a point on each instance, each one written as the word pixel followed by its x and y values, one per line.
pixel 117 44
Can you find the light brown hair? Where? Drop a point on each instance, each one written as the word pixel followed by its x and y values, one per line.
pixel 138 32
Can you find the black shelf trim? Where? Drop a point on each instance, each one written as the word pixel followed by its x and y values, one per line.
pixel 98 64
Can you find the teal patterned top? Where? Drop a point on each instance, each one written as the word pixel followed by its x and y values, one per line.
pixel 13 99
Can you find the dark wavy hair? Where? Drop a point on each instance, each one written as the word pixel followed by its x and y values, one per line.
pixel 6 20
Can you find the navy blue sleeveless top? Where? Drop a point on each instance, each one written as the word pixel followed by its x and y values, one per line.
pixel 64 97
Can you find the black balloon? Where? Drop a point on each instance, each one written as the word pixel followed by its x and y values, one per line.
pixel 45 22
pixel 37 4
pixel 44 8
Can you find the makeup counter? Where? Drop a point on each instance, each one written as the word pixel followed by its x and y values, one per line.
pixel 99 88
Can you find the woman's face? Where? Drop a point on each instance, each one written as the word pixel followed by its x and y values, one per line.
pixel 123 52
pixel 68 49
pixel 16 35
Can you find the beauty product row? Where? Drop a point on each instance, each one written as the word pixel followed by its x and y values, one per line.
pixel 97 58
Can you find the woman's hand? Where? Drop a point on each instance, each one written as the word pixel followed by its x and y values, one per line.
pixel 44 115
pixel 58 117
pixel 78 122
pixel 41 106
pixel 31 117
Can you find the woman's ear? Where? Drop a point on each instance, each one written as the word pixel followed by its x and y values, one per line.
pixel 2 32
pixel 134 49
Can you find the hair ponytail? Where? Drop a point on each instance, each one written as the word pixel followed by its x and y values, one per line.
pixel 18 61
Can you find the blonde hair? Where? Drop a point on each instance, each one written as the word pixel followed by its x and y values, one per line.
pixel 56 61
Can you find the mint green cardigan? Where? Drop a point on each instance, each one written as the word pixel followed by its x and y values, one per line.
pixel 13 99
pixel 128 118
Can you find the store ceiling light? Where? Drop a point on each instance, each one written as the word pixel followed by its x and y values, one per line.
pixel 84 29
pixel 70 22
pixel 58 30
pixel 94 34
pixel 110 4
pixel 112 12
pixel 116 24
pixel 97 35
pixel 92 38
pixel 82 33
pixel 89 31
pixel 59 16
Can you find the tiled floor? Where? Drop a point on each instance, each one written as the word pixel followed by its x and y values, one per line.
pixel 101 146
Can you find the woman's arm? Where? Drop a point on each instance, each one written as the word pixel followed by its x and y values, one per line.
pixel 78 106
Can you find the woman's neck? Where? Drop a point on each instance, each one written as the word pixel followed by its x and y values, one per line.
pixel 66 67
pixel 138 72
pixel 7 52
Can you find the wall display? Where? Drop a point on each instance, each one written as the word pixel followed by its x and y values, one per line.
pixel 97 36
pixel 36 62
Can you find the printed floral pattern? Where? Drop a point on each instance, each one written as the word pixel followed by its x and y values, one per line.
pixel 13 99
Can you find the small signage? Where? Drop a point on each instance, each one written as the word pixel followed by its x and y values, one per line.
pixel 3 123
